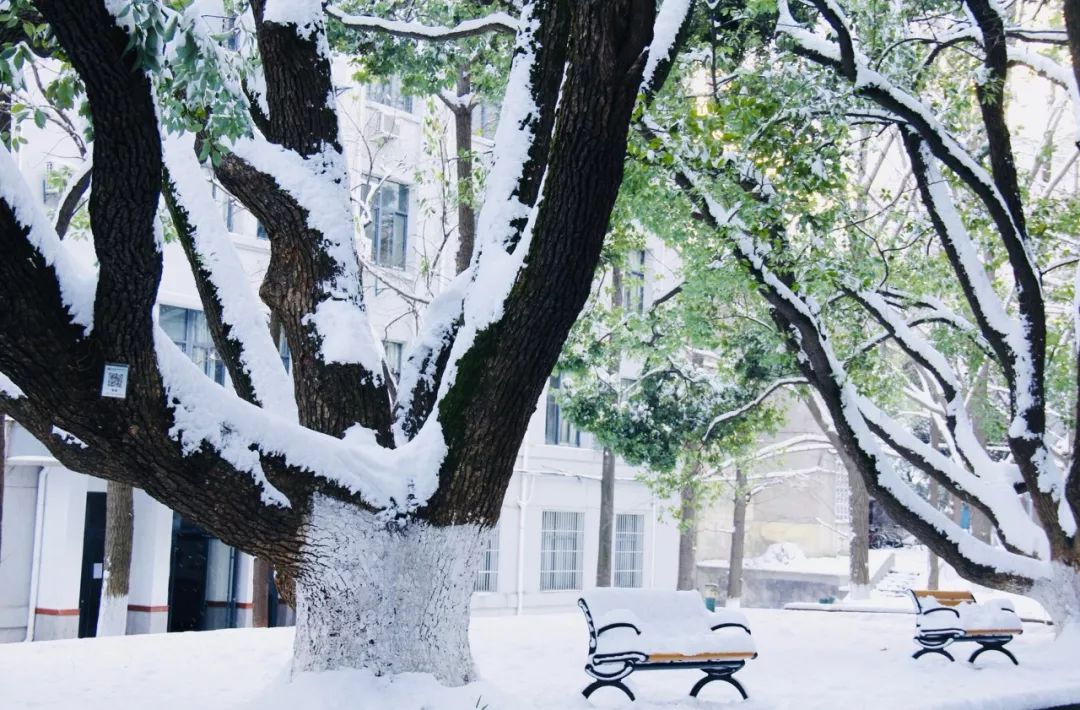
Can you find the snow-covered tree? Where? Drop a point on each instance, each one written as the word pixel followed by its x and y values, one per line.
pixel 989 280
pixel 375 502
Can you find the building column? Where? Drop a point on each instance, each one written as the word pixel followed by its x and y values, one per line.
pixel 245 565
pixel 56 613
pixel 218 584
pixel 148 598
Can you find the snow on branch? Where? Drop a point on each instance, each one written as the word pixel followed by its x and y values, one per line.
pixel 206 414
pixel 77 284
pixel 738 412
pixel 856 67
pixel 827 372
pixel 505 223
pixel 498 22
pixel 671 17
pixel 241 311
pixel 319 185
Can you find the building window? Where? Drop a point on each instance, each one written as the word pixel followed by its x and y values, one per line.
pixel 260 231
pixel 557 428
pixel 389 93
pixel 393 356
pixel 562 550
pixel 191 333
pixel 634 283
pixel 629 550
pixel 487 577
pixel 842 496
pixel 389 224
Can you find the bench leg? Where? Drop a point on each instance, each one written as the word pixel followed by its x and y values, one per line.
pixel 710 676
pixel 923 651
pixel 596 685
pixel 1000 647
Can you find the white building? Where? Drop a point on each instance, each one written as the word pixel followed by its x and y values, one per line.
pixel 544 549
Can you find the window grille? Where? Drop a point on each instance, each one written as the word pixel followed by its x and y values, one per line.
pixel 629 550
pixel 487 576
pixel 842 496
pixel 562 546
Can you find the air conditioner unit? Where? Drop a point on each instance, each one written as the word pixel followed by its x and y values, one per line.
pixel 384 125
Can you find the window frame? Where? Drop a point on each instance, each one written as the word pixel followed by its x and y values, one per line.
pixel 487 574
pixel 635 552
pixel 373 230
pixel 555 574
pixel 558 431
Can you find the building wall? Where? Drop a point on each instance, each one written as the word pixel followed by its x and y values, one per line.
pixel 802 498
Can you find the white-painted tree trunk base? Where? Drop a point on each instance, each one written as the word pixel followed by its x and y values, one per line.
pixel 112 616
pixel 733 603
pixel 391 597
pixel 1060 596
pixel 859 592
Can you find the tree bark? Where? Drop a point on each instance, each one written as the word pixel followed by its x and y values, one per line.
pixel 738 540
pixel 858 506
pixel 119 528
pixel 418 623
pixel 934 561
pixel 607 520
pixel 260 593
pixel 859 547
pixel 687 538
pixel 607 474
pixel 463 135
pixel 3 471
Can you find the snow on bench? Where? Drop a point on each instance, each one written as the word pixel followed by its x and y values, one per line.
pixel 646 629
pixel 946 617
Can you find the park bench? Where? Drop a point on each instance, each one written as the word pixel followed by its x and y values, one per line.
pixel 946 617
pixel 647 630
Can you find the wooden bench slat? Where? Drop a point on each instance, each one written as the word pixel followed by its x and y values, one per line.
pixel 723 655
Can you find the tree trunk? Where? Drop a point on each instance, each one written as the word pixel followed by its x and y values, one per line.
pixel 607 480
pixel 935 563
pixel 738 541
pixel 119 524
pixel 859 547
pixel 688 538
pixel 348 616
pixel 3 469
pixel 260 593
pixel 607 520
pixel 463 132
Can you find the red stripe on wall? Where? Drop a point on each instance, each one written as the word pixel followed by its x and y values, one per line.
pixel 221 605
pixel 56 612
pixel 149 609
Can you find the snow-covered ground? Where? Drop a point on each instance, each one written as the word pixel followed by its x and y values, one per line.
pixel 807 660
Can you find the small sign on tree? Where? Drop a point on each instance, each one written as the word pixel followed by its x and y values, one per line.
pixel 115 381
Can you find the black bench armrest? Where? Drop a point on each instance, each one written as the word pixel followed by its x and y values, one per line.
pixel 941 608
pixel 721 626
pixel 618 625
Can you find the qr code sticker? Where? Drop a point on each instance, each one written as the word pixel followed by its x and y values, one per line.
pixel 114 383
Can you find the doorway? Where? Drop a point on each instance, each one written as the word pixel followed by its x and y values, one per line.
pixel 93 564
pixel 187 576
